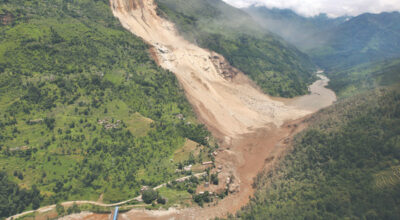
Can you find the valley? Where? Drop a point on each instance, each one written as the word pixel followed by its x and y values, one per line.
pixel 189 109
pixel 319 97
pixel 253 128
pixel 244 156
pixel 223 97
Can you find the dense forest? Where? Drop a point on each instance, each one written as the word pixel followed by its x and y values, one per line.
pixel 346 165
pixel 360 40
pixel 84 109
pixel 13 199
pixel 306 33
pixel 335 44
pixel 363 77
pixel 277 67
pixel 86 114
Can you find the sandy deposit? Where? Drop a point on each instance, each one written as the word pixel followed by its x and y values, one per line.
pixel 223 97
pixel 254 128
pixel 319 97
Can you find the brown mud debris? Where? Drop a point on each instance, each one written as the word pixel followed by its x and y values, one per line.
pixel 255 130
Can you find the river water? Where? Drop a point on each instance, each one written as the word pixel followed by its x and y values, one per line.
pixel 319 97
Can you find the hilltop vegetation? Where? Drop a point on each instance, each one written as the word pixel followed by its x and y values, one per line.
pixel 362 39
pixel 336 44
pixel 278 68
pixel 364 77
pixel 305 33
pixel 84 109
pixel 86 114
pixel 345 166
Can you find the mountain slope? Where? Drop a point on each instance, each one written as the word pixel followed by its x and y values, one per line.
pixel 346 165
pixel 364 77
pixel 365 38
pixel 336 43
pixel 278 68
pixel 304 32
pixel 223 97
pixel 85 111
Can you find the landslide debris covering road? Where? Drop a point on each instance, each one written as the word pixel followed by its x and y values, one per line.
pixel 250 124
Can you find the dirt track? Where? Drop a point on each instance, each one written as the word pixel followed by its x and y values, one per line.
pixel 253 127
pixel 81 202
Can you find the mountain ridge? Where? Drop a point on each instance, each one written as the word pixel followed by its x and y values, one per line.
pixel 362 39
pixel 293 27
pixel 336 43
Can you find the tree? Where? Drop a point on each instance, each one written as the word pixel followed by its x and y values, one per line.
pixel 149 196
pixel 20 176
pixel 73 209
pixel 33 94
pixel 12 198
pixel 35 203
pixel 50 122
pixel 191 159
pixel 214 179
pixel 58 187
pixel 161 200
pixel 36 198
pixel 60 209
pixel 198 199
pixel 194 179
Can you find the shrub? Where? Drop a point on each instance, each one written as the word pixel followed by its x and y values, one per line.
pixel 60 209
pixel 149 196
pixel 161 200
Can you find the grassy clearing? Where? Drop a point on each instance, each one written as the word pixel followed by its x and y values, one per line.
pixel 388 178
pixel 175 197
pixel 139 125
pixel 190 147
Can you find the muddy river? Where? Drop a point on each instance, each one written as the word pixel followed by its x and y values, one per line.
pixel 319 97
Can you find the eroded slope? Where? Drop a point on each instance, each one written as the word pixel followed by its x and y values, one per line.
pixel 224 98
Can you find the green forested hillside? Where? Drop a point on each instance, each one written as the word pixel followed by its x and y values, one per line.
pixel 336 44
pixel 84 109
pixel 363 39
pixel 13 198
pixel 345 166
pixel 305 33
pixel 278 68
pixel 364 77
